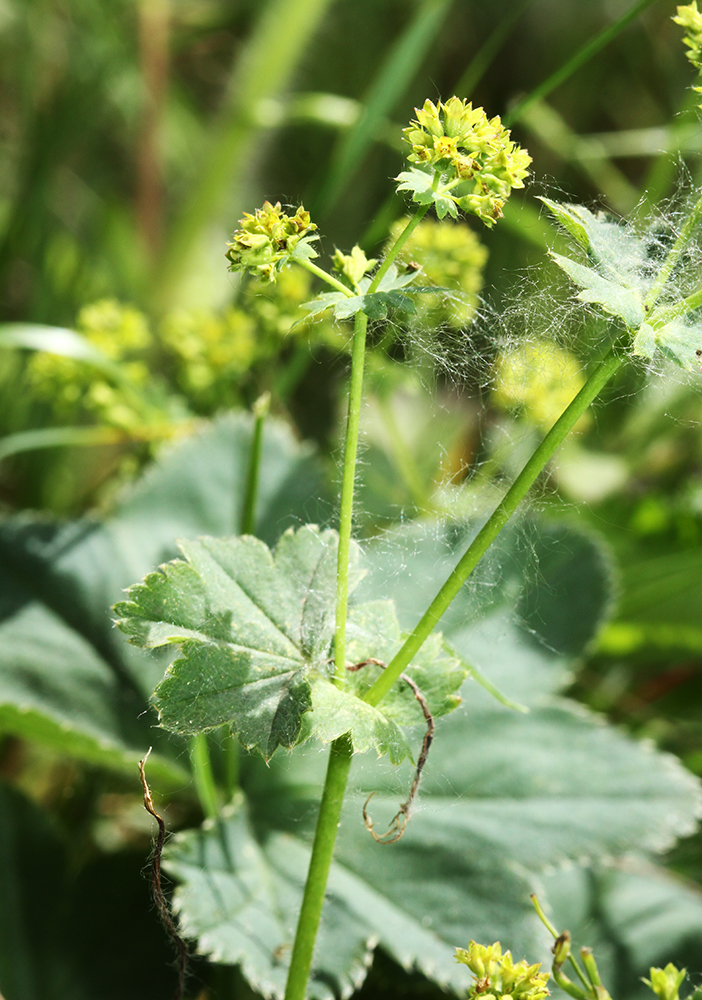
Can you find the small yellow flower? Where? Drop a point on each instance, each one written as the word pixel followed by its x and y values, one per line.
pixel 499 976
pixel 665 983
pixel 691 20
pixel 475 163
pixel 269 238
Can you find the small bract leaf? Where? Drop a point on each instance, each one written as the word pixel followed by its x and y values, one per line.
pixel 569 219
pixel 645 341
pixel 617 299
pixel 421 184
pixel 327 300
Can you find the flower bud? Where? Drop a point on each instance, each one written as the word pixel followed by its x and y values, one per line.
pixel 561 948
pixel 665 983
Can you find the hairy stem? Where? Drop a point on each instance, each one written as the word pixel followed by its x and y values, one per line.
pixel 347 485
pixel 494 525
pixel 320 863
pixel 342 749
pixel 248 513
pixel 394 250
pixel 203 776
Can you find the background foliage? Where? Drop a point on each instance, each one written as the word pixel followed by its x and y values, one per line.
pixel 134 135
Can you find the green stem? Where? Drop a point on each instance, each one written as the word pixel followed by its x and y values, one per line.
pixel 320 863
pixel 396 247
pixel 202 774
pixel 549 926
pixel 329 278
pixel 347 485
pixel 665 314
pixel 494 525
pixel 248 513
pixel 673 255
pixel 342 748
pixel 231 764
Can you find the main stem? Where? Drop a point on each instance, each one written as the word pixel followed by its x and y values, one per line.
pixel 320 863
pixel 247 523
pixel 341 749
pixel 494 525
pixel 347 484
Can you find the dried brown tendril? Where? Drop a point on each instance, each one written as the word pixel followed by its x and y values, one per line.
pixel 399 823
pixel 162 906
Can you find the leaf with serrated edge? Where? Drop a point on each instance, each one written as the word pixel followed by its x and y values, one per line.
pixel 240 894
pixel 255 630
pixel 614 298
pixel 249 623
pixel 502 793
pixel 617 249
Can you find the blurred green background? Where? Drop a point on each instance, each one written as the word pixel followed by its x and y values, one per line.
pixel 134 134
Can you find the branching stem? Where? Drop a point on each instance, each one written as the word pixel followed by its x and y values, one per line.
pixel 494 525
pixel 394 250
pixel 341 750
pixel 325 276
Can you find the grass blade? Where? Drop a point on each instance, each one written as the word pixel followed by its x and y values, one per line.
pixel 386 89
pixel 265 67
pixel 481 61
pixel 557 136
pixel 578 59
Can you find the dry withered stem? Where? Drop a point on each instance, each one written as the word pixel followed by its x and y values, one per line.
pixel 399 823
pixel 164 910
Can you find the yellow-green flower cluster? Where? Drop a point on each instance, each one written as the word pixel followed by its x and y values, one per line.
pixel 268 238
pixel 451 256
pixel 211 352
pixel 666 983
pixel 122 334
pixel 540 378
pixel 498 977
pixel 466 147
pixel 691 20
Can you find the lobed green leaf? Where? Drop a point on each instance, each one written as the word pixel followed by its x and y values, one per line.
pixel 255 631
